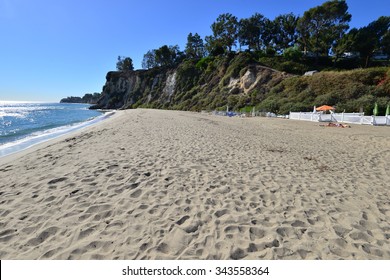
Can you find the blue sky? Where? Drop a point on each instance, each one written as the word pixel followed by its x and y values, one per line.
pixel 53 49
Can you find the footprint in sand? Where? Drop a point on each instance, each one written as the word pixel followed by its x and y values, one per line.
pixel 256 233
pixel 136 194
pixel 57 180
pixel 220 213
pixel 7 235
pixel 182 220
pixel 238 254
pixel 43 236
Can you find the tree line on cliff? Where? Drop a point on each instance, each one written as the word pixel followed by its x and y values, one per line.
pixel 321 32
pixel 88 98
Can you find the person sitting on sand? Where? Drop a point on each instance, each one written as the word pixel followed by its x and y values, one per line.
pixel 336 125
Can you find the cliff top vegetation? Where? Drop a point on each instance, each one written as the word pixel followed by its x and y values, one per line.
pixel 322 36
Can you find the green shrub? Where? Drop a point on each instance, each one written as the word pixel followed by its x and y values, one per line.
pixel 203 63
pixel 292 54
pixel 325 99
pixel 246 109
pixel 232 100
pixel 293 67
pixel 237 64
pixel 187 75
pixel 270 104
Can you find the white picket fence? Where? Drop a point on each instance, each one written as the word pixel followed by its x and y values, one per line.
pixel 354 118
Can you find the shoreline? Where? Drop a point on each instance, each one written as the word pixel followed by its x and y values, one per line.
pixel 152 184
pixel 29 142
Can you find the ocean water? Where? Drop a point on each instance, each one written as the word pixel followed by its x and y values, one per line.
pixel 24 124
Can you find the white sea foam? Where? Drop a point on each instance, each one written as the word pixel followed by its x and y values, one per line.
pixel 11 114
pixel 40 137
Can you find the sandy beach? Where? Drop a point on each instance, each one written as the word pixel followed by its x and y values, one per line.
pixel 150 184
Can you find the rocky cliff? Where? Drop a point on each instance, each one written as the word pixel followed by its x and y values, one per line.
pixel 207 84
pixel 240 81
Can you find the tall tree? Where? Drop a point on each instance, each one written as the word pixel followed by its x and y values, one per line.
pixel 194 47
pixel 149 60
pixel 267 35
pixel 225 30
pixel 345 44
pixel 249 30
pixel 322 26
pixel 163 56
pixel 167 55
pixel 286 33
pixel 213 46
pixel 386 43
pixel 124 64
pixel 373 37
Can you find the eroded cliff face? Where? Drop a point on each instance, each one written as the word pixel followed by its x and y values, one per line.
pixel 190 86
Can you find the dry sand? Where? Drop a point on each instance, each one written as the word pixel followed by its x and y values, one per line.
pixel 151 184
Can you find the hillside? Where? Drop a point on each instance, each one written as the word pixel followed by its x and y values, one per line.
pixel 241 80
pixel 88 98
pixel 351 90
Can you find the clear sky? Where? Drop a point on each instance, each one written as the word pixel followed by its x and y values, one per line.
pixel 50 49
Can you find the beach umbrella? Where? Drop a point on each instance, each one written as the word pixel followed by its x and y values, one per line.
pixel 324 108
pixel 375 111
pixel 387 110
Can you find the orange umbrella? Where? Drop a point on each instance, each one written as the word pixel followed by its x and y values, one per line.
pixel 324 108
